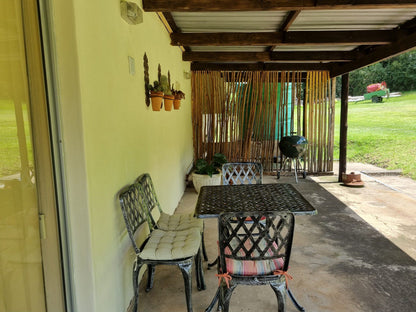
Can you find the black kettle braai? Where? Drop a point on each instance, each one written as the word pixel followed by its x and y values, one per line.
pixel 293 147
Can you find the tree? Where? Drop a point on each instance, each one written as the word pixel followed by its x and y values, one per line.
pixel 398 72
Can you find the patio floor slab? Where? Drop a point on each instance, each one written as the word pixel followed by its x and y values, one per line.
pixel 357 254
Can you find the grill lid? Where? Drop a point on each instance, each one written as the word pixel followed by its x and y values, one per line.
pixel 293 146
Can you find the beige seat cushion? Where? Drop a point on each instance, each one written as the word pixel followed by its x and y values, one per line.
pixel 171 245
pixel 178 222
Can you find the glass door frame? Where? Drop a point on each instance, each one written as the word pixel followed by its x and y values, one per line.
pixel 52 245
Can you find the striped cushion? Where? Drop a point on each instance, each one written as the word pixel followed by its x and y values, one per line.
pixel 250 267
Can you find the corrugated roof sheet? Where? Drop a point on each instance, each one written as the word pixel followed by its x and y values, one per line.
pixel 380 19
pixel 229 21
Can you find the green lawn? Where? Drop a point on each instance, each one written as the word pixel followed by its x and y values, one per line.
pixel 382 134
pixel 9 144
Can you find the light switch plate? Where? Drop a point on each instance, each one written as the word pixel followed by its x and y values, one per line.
pixel 132 66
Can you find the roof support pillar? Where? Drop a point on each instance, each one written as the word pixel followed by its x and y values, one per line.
pixel 343 127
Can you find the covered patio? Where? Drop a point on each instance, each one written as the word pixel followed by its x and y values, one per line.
pixel 356 255
pixel 78 73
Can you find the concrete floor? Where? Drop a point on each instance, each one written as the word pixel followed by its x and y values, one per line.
pixel 357 254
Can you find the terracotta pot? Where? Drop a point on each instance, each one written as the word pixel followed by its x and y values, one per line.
pixel 352 179
pixel 168 102
pixel 176 103
pixel 156 98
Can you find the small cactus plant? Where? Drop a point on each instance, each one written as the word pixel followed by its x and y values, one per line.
pixel 165 85
pixel 156 87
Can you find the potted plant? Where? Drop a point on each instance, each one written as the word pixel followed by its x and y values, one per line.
pixel 156 95
pixel 168 93
pixel 208 173
pixel 179 95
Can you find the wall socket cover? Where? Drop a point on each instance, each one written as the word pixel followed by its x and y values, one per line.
pixel 132 67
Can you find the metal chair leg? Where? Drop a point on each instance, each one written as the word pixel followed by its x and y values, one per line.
pixel 150 277
pixel 136 270
pixel 297 305
pixel 210 265
pixel 213 301
pixel 296 170
pixel 186 270
pixel 225 296
pixel 280 291
pixel 200 272
pixel 204 251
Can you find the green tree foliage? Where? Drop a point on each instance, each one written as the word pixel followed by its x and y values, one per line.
pixel 398 72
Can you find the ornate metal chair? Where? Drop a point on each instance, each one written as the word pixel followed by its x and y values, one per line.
pixel 175 222
pixel 242 173
pixel 255 253
pixel 160 247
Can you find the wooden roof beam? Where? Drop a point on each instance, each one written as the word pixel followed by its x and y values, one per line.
pixel 361 37
pixel 276 5
pixel 168 18
pixel 260 66
pixel 376 54
pixel 319 56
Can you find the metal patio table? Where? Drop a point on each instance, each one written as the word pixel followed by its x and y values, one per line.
pixel 214 200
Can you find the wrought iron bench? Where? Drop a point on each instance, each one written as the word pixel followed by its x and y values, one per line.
pixel 160 247
pixel 175 222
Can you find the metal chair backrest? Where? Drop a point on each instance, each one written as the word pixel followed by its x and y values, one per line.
pixel 132 206
pixel 242 173
pixel 146 184
pixel 267 236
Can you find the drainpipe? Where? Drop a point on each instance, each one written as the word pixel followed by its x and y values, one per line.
pixel 343 127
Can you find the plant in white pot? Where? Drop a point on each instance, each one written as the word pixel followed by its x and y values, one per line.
pixel 206 173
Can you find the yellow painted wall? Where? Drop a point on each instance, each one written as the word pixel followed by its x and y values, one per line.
pixel 110 137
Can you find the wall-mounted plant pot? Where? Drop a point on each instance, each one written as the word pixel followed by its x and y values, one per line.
pixel 168 102
pixel 176 103
pixel 156 98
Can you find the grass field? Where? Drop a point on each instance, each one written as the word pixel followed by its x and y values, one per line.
pixel 382 134
pixel 10 160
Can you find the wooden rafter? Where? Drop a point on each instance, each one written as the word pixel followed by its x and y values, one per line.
pixel 364 37
pixel 290 18
pixel 276 5
pixel 321 56
pixel 376 54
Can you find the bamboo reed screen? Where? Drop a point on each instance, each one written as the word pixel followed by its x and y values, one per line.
pixel 244 114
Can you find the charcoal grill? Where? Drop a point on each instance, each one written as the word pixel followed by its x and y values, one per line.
pixel 293 148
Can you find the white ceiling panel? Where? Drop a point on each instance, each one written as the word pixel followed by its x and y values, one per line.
pixel 229 21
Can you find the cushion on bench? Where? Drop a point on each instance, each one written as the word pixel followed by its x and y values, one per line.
pixel 171 245
pixel 179 222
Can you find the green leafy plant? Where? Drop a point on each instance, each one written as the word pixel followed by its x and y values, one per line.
pixel 202 166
